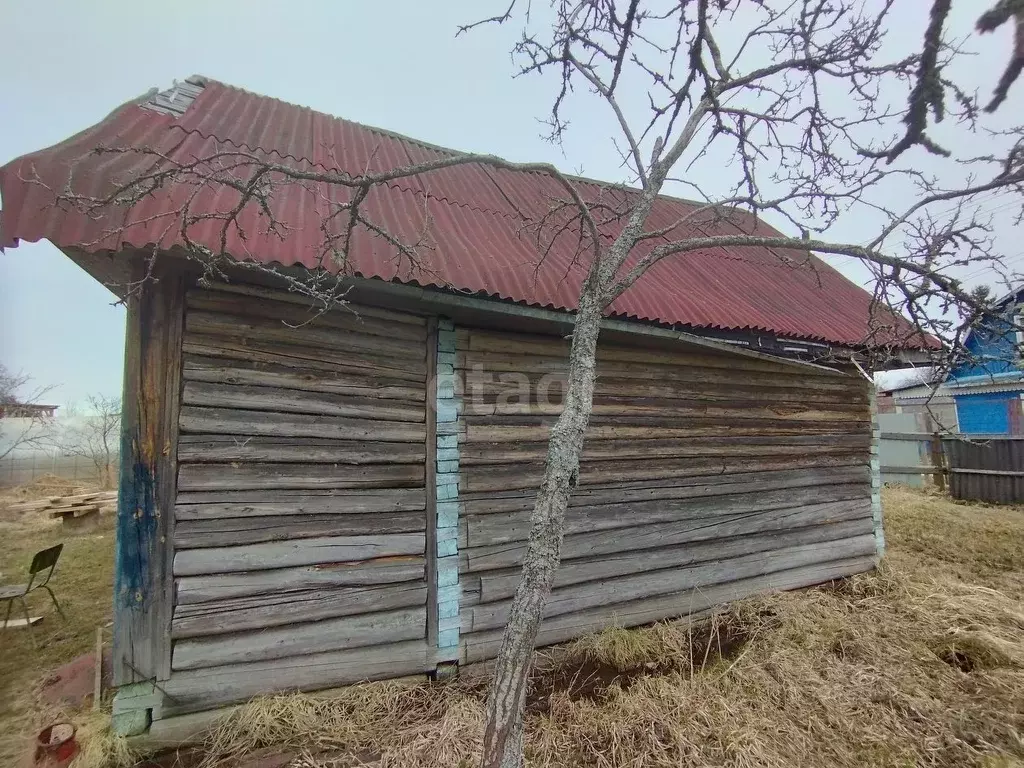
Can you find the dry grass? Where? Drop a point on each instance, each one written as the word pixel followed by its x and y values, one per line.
pixel 919 663
pixel 99 746
pixel 83 584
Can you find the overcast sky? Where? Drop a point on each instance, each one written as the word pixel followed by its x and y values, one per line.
pixel 397 65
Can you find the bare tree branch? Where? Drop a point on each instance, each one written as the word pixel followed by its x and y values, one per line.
pixel 797 111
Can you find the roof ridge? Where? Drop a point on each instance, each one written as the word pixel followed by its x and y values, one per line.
pixel 202 80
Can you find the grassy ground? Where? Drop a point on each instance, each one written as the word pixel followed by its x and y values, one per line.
pixel 920 663
pixel 83 585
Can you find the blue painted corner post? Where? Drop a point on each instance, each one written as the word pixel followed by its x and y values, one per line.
pixel 143 584
pixel 448 405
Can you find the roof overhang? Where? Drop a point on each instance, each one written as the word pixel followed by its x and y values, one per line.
pixel 115 269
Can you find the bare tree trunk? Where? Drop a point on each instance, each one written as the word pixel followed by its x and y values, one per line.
pixel 503 738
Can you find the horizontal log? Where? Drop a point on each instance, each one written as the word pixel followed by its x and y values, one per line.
pixel 367 629
pixel 225 448
pixel 580 597
pixel 478 364
pixel 358 346
pixel 255 373
pixel 654 411
pixel 605 450
pixel 209 505
pixel 682 420
pixel 500 530
pixel 694 603
pixel 478 432
pixel 283 581
pixel 275 610
pixel 487 386
pixel 232 421
pixel 351 319
pixel 252 476
pixel 295 401
pixel 587 530
pixel 284 554
pixel 676 488
pixel 276 294
pixel 553 346
pixel 606 566
pixel 226 532
pixel 295 354
pixel 488 478
pixel 231 683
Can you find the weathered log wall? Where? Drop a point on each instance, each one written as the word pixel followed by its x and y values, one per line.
pixel 300 520
pixel 705 478
pixel 310 521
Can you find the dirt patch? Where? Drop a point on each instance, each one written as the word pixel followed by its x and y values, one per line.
pixel 957 658
pixel 72 684
pixel 589 680
pixel 591 672
pixel 973 649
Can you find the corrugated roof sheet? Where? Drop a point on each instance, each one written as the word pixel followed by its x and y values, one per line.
pixel 470 214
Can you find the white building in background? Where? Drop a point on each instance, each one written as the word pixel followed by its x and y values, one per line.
pixel 916 391
pixel 19 421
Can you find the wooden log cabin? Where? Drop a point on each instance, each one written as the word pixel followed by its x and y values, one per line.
pixel 312 499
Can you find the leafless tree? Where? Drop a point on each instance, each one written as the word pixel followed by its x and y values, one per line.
pixel 22 424
pixel 93 434
pixel 808 111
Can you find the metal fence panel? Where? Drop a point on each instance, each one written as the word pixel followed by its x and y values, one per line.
pixel 24 468
pixel 904 449
pixel 986 469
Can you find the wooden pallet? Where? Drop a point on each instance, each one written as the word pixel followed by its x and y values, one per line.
pixel 75 506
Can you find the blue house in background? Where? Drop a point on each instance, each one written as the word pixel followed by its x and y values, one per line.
pixel 988 389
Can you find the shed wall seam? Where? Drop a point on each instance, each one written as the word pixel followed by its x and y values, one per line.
pixel 449 406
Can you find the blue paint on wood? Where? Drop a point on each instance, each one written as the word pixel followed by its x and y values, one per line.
pixel 448 638
pixel 447 411
pixel 447 514
pixel 449 593
pixel 445 340
pixel 447 478
pixel 992 350
pixel 446 548
pixel 447 578
pixel 985 413
pixel 136 531
pixel 448 406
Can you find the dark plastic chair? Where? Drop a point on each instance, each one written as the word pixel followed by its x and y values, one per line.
pixel 45 560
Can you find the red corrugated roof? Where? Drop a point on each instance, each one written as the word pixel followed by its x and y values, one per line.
pixel 470 212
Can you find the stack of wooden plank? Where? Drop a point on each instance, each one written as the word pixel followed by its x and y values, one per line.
pixel 70 508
